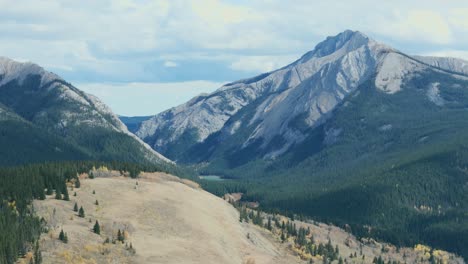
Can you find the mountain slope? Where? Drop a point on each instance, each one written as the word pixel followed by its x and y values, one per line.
pixel 23 142
pixel 133 122
pixel 287 101
pixel 354 132
pixel 51 112
pixel 275 93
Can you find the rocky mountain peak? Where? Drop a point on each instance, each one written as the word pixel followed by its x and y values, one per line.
pixel 14 70
pixel 283 104
pixel 349 40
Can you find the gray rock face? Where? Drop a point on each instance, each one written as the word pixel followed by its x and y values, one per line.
pixel 63 105
pixel 309 89
pixel 451 64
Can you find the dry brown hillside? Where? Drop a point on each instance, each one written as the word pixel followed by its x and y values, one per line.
pixel 164 219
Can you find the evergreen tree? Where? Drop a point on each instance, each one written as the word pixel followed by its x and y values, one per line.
pixel 81 212
pixel 37 254
pixel 58 194
pixel 75 207
pixel 96 203
pixel 120 236
pixel 269 227
pixel 97 228
pixel 66 197
pixel 62 236
pixel 77 183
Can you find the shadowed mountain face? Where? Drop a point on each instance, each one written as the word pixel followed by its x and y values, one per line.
pixel 354 132
pixel 133 122
pixel 45 118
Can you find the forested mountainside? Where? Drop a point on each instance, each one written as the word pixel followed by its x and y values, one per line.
pixel 354 132
pixel 44 118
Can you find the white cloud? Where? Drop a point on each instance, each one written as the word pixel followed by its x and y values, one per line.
pixel 137 99
pixel 420 25
pixel 458 18
pixel 115 40
pixel 170 64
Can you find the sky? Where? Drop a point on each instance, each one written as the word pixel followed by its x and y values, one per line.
pixel 143 57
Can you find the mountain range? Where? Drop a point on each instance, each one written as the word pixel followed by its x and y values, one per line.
pixel 274 111
pixel 354 132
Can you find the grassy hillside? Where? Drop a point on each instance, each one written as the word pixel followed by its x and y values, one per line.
pixel 19 185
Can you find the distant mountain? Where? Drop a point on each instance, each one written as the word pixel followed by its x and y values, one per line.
pixel 273 111
pixel 45 118
pixel 354 132
pixel 133 122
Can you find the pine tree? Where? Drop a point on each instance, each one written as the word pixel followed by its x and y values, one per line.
pixel 77 183
pixel 94 192
pixel 75 208
pixel 66 197
pixel 269 224
pixel 58 194
pixel 61 235
pixel 37 254
pixel 120 236
pixel 96 203
pixel 97 228
pixel 81 212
